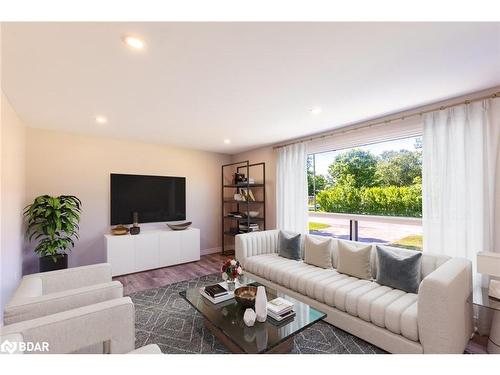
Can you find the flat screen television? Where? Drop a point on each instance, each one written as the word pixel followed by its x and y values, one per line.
pixel 154 198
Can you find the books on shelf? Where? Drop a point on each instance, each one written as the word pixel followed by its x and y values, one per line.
pixel 250 181
pixel 244 228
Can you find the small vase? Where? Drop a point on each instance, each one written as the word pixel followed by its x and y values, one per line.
pixel 261 304
pixel 231 285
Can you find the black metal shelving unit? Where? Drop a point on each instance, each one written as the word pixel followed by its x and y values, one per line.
pixel 230 224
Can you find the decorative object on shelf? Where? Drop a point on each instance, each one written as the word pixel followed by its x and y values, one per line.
pixel 245 295
pixel 249 317
pixel 261 304
pixel 239 178
pixel 488 263
pixel 53 222
pixel 180 226
pixel 231 269
pixel 247 194
pixel 119 230
pixel 251 196
pixel 253 213
pixel 135 228
pixel 238 197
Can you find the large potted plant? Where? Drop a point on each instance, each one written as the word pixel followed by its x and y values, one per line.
pixel 53 223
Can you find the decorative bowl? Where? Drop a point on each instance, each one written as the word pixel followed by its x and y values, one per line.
pixel 245 296
pixel 253 213
pixel 119 230
pixel 180 226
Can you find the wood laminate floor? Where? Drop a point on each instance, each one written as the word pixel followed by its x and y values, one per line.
pixel 137 282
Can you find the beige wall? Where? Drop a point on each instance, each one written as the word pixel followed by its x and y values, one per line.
pixel 13 149
pixel 268 156
pixel 64 163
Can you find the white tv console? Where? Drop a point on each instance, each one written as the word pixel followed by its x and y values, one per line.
pixel 152 249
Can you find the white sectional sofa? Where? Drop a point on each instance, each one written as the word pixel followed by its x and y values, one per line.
pixel 436 320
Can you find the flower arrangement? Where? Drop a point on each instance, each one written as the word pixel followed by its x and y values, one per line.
pixel 231 269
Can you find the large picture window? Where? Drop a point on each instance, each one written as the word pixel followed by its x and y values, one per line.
pixel 376 186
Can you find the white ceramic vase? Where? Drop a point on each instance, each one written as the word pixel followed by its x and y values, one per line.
pixel 249 317
pixel 261 304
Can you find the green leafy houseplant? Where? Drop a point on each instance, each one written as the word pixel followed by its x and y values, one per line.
pixel 53 222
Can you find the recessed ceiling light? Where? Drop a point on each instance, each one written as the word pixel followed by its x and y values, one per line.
pixel 227 141
pixel 101 119
pixel 133 42
pixel 316 110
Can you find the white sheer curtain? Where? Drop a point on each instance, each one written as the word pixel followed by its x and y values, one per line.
pixel 291 188
pixel 460 152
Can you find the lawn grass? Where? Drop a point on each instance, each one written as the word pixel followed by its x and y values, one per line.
pixel 410 242
pixel 317 226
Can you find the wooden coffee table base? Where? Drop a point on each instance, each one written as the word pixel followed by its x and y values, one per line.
pixel 282 348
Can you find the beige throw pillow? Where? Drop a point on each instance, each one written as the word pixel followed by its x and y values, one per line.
pixel 318 252
pixel 354 260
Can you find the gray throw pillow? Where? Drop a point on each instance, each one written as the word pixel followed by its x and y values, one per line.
pixel 289 245
pixel 399 270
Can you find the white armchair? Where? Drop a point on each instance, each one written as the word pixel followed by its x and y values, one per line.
pixel 52 292
pixel 106 327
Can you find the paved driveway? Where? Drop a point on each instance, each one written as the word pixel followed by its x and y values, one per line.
pixel 368 231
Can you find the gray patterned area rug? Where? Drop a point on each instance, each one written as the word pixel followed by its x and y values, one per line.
pixel 163 317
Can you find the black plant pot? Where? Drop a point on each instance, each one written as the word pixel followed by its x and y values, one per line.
pixel 48 264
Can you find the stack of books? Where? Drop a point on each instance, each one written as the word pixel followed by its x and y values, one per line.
pixel 253 227
pixel 216 293
pixel 280 309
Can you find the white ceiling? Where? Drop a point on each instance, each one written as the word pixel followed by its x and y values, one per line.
pixel 196 84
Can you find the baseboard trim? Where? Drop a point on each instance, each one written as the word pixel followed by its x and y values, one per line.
pixel 211 250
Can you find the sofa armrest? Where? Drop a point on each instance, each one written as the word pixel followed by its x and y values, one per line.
pixel 256 243
pixel 111 322
pixel 20 309
pixel 72 278
pixel 444 310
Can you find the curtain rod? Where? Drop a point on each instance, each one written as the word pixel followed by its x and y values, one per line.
pixel 374 123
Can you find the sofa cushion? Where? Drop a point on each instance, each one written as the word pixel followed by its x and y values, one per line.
pixel 399 270
pixel 318 252
pixel 354 260
pixel 289 246
pixel 395 310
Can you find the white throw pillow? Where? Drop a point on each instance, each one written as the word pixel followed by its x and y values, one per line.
pixel 318 252
pixel 354 260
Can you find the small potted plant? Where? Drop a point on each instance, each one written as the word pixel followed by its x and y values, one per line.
pixel 231 269
pixel 53 223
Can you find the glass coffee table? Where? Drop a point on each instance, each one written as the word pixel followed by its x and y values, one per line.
pixel 225 321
